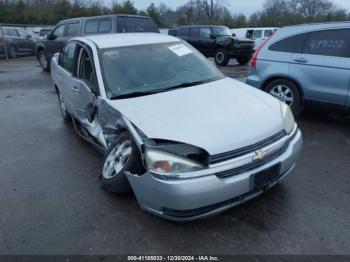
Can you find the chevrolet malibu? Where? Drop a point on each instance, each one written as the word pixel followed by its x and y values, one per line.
pixel 187 140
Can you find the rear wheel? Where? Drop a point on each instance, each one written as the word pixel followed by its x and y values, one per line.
pixel 243 60
pixel 12 52
pixel 121 156
pixel 43 60
pixel 221 57
pixel 287 92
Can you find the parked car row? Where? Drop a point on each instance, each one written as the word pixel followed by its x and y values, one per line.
pixel 258 35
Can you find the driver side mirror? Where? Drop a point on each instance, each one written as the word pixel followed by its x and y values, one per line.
pixel 50 36
pixel 212 36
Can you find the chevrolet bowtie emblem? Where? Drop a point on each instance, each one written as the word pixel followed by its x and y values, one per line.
pixel 260 155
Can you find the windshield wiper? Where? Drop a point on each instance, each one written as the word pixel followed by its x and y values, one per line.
pixel 161 90
pixel 134 94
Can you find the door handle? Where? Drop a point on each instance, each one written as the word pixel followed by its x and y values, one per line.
pixel 76 89
pixel 301 60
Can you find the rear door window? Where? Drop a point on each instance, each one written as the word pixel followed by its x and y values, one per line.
pixel 205 32
pixel 194 32
pixel 293 44
pixel 67 57
pixel 135 24
pixel 183 31
pixel 334 42
pixel 105 25
pixel 72 29
pixel 91 26
pixel 257 34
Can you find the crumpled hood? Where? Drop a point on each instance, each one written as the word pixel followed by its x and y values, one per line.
pixel 219 116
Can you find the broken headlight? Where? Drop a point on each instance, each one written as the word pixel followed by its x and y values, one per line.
pixel 168 163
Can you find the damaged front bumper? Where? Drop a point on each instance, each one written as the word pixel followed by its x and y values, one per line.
pixel 195 198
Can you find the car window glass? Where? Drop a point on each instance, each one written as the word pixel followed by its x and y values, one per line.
pixel 12 32
pixel 91 26
pixel 135 24
pixel 329 43
pixel 72 29
pixel 257 34
pixel 22 33
pixel 293 44
pixel 59 31
pixel 68 56
pixel 194 32
pixel 105 26
pixel 268 33
pixel 205 32
pixel 250 34
pixel 87 72
pixel 183 31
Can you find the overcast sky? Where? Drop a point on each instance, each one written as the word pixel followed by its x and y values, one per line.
pixel 246 7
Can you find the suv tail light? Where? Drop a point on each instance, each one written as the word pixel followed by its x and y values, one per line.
pixel 256 54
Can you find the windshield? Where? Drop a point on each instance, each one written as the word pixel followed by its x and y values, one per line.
pixel 148 69
pixel 220 31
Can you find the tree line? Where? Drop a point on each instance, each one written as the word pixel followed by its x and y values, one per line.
pixel 273 12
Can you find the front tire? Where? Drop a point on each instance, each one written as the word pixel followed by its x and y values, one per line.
pixel 221 57
pixel 44 63
pixel 121 156
pixel 287 92
pixel 13 52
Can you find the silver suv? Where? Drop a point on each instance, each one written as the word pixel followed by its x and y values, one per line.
pixel 305 64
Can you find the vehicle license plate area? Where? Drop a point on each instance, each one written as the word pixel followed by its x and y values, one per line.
pixel 265 177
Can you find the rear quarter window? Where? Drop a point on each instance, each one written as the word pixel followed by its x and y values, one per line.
pixel 135 24
pixel 335 42
pixel 293 44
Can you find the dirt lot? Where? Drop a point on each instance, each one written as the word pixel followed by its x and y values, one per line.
pixel 51 201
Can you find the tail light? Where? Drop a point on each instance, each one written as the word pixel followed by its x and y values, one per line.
pixel 256 54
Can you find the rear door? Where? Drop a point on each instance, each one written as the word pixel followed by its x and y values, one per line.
pixel 83 94
pixel 25 41
pixel 323 68
pixel 194 38
pixel 66 75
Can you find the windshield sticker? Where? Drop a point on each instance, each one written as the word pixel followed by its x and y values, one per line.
pixel 180 49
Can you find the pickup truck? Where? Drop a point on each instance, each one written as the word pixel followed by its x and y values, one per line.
pixel 217 42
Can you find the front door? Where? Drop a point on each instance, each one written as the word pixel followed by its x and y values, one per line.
pixel 56 44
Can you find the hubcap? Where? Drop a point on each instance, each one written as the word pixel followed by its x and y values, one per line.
pixel 283 93
pixel 117 159
pixel 43 61
pixel 220 57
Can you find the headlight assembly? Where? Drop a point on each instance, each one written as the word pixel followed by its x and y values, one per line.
pixel 287 118
pixel 167 163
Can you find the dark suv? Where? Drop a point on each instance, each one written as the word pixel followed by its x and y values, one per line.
pixel 217 42
pixel 70 28
pixel 17 41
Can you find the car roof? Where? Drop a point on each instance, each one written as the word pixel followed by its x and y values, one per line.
pixel 182 26
pixel 99 16
pixel 127 39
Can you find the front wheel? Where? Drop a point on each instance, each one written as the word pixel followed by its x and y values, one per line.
pixel 43 61
pixel 287 92
pixel 243 60
pixel 221 57
pixel 12 52
pixel 122 156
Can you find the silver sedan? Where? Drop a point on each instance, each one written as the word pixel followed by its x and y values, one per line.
pixel 188 141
